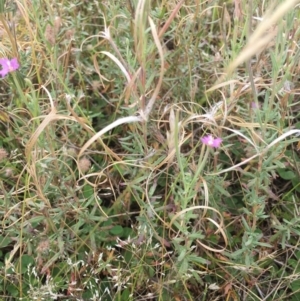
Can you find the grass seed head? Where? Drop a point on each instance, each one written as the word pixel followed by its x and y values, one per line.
pixel 84 164
pixel 3 154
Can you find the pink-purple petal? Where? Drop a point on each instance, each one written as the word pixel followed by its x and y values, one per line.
pixel 14 64
pixel 3 61
pixel 210 141
pixel 8 66
pixel 217 142
pixel 205 139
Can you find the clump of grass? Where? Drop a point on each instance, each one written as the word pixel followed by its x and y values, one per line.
pixel 149 151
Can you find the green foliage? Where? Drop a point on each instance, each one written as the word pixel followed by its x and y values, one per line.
pixel 148 210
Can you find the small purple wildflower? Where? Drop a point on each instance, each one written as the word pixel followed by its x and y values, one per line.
pixel 254 105
pixel 8 66
pixel 211 141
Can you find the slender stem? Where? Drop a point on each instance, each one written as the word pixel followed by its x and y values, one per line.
pixel 202 159
pixel 20 91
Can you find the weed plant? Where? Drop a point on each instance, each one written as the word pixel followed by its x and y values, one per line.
pixel 149 150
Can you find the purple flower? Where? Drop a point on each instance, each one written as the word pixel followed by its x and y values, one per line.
pixel 254 105
pixel 8 66
pixel 211 141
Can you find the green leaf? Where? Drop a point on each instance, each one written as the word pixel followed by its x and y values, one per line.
pixel 182 255
pixel 264 244
pixel 116 230
pixel 12 290
pixel 286 174
pixel 88 191
pixel 126 294
pixel 196 235
pixel 183 267
pixel 296 184
pixel 194 258
pixel 127 232
pixel 4 241
pixel 295 286
pixel 25 261
pixel 222 190
pixel 237 253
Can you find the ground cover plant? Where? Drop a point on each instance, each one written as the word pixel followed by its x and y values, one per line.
pixel 149 150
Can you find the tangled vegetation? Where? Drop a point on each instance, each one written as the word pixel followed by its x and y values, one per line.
pixel 149 150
